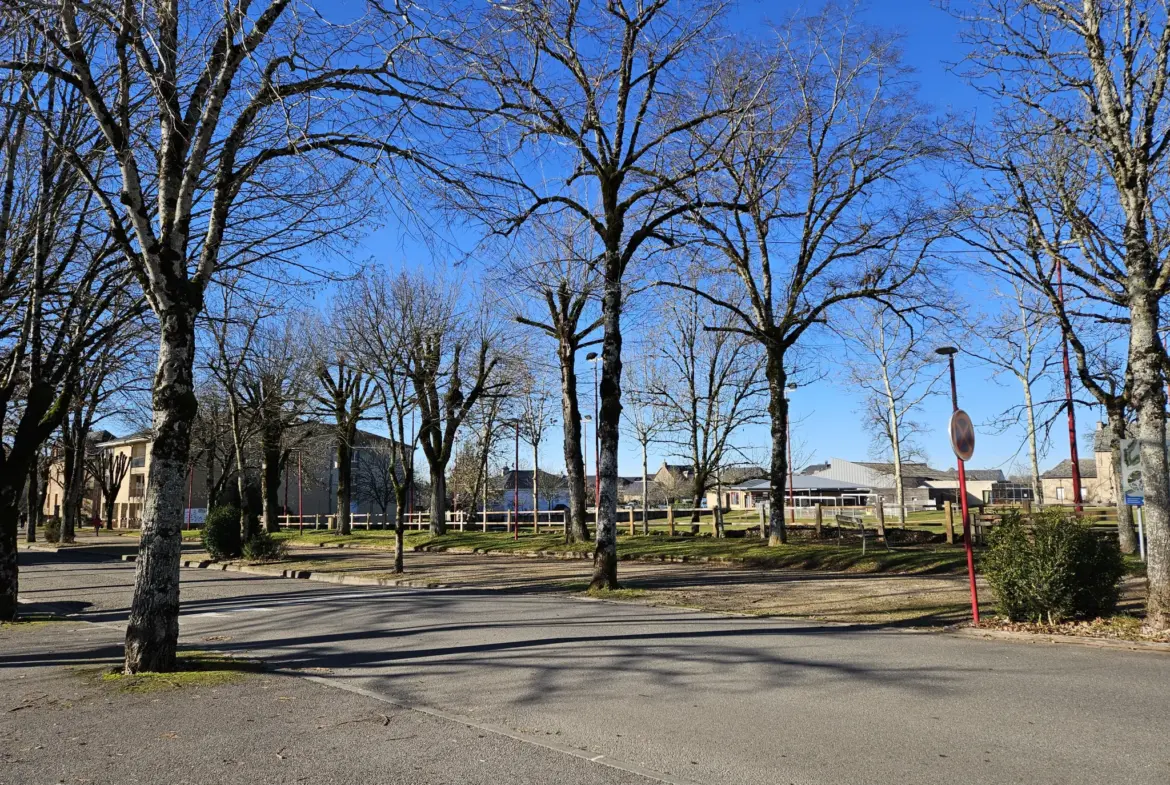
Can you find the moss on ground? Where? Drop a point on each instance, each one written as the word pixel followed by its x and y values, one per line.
pixel 195 669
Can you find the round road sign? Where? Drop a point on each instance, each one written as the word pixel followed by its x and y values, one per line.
pixel 962 435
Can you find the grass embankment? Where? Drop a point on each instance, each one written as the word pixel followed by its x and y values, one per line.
pixel 751 552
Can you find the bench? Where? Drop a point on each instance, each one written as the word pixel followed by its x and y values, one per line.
pixel 851 521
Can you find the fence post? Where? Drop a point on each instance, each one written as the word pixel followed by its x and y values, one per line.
pixel 631 521
pixel 949 521
pixel 670 518
pixel 818 518
pixel 880 510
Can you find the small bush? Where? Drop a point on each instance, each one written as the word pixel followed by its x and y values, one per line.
pixel 53 529
pixel 221 533
pixel 262 547
pixel 1059 570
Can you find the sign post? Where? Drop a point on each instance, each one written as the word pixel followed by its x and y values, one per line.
pixel 1133 486
pixel 962 433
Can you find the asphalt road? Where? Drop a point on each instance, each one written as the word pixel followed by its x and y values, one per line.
pixel 676 695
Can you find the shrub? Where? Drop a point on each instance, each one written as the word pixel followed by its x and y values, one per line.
pixel 1057 571
pixel 221 533
pixel 53 529
pixel 262 547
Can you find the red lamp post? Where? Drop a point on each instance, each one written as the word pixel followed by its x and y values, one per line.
pixel 959 442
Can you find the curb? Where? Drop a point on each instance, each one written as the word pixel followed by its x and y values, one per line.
pixel 1076 640
pixel 345 579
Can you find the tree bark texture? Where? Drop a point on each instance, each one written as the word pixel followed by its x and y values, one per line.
pixel 1150 401
pixel 439 501
pixel 576 530
pixel 344 472
pixel 152 633
pixel 33 496
pixel 778 415
pixel 9 523
pixel 1126 534
pixel 605 540
pixel 270 442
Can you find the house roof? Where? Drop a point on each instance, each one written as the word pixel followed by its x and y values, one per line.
pixel 909 469
pixel 524 476
pixel 994 475
pixel 800 482
pixel 143 435
pixel 1063 470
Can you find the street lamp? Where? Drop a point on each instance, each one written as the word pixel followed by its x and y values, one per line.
pixel 963 444
pixel 594 358
pixel 788 444
pixel 1068 396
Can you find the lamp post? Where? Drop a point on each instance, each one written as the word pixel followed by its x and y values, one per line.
pixel 594 358
pixel 585 420
pixel 1068 397
pixel 516 485
pixel 949 352
pixel 788 444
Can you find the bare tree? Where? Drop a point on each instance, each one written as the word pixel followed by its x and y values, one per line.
pixel 256 119
pixel 374 478
pixel 108 470
pixel 277 383
pixel 615 122
pixel 233 327
pixel 346 395
pixel 565 282
pixel 59 281
pixel 841 132
pixel 450 360
pixel 1019 341
pixel 645 421
pixel 1071 183
pixel 376 335
pixel 710 385
pixel 892 363
pixel 535 418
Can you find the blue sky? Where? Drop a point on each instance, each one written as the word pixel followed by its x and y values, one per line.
pixel 827 420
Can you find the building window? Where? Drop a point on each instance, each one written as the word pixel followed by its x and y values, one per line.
pixel 1060 493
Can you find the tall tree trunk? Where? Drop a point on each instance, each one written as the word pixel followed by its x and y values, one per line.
pixel 719 531
pixel 605 550
pixel 576 529
pixel 270 475
pixel 9 522
pixel 697 494
pixel 1150 403
pixel 535 486
pixel 344 470
pixel 896 443
pixel 645 492
pixel 1126 534
pixel 210 479
pixel 69 505
pixel 1033 452
pixel 439 500
pixel 399 525
pixel 152 633
pixel 778 414
pixel 248 524
pixel 109 506
pixel 34 501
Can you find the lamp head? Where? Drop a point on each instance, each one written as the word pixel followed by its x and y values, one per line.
pixel 591 356
pixel 946 351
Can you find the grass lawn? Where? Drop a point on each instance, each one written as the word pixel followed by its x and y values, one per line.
pixel 195 669
pixel 750 551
